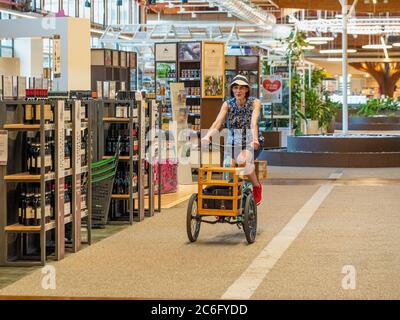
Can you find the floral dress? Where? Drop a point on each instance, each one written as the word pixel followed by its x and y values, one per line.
pixel 238 123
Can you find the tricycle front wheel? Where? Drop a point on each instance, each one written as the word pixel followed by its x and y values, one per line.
pixel 193 222
pixel 250 218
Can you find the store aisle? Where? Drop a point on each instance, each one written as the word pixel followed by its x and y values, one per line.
pixel 353 229
pixel 153 259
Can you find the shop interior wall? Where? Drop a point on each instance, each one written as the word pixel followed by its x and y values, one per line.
pixel 9 66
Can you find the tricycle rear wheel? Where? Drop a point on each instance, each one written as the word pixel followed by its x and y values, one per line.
pixel 193 222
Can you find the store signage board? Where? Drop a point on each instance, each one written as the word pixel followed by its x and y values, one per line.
pixel 61 179
pixel 21 87
pixel 272 89
pixel 56 56
pixel 213 74
pixel 132 59
pixel 78 170
pixel 3 147
pixel 7 87
pixel 230 62
pixel 189 51
pixel 178 101
pixel 166 52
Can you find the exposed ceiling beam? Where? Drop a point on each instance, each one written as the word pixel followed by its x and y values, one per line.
pixel 361 6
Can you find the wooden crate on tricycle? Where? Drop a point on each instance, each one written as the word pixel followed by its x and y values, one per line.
pixel 220 191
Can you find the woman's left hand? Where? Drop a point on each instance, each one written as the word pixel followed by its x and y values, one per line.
pixel 255 144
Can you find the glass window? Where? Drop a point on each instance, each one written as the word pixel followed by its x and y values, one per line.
pixel 124 12
pixel 6 52
pixel 51 5
pixel 69 7
pixel 36 5
pixel 84 12
pixel 47 53
pixel 98 11
pixel 112 12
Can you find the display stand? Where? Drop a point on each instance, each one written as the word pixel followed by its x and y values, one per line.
pixel 113 65
pixel 119 118
pixel 19 245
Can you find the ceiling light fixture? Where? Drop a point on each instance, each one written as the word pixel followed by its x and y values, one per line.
pixel 397 44
pixel 377 46
pixel 328 51
pixel 317 42
pixel 313 39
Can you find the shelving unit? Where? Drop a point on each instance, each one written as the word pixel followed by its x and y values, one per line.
pixel 114 65
pixel 18 244
pixel 189 68
pixel 165 73
pixel 249 66
pixel 123 206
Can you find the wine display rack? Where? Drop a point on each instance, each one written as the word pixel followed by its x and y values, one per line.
pixel 41 233
pixel 127 121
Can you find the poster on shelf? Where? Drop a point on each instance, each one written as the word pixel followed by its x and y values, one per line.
pixel 56 56
pixel 230 63
pixel 178 102
pixel 107 57
pixel 189 51
pixel 272 89
pixel 213 70
pixel 3 147
pixel 7 87
pixel 165 51
pixel 122 57
pixel 21 87
pixel 132 59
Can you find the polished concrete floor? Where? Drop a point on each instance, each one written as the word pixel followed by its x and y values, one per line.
pixel 323 233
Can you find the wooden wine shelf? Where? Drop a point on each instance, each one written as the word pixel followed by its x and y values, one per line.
pixel 27 127
pixel 123 196
pixel 26 177
pixel 114 119
pixel 22 228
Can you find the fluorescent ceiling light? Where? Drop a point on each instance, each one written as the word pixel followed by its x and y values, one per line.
pixel 397 44
pixel 334 59
pixel 376 46
pixel 318 42
pixel 337 51
pixel 247 30
pixel 313 39
pixel 309 48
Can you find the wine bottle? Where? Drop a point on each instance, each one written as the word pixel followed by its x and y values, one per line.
pixel 30 213
pixel 22 207
pixel 37 207
pixel 28 114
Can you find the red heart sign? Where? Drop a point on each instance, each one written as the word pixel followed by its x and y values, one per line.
pixel 271 86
